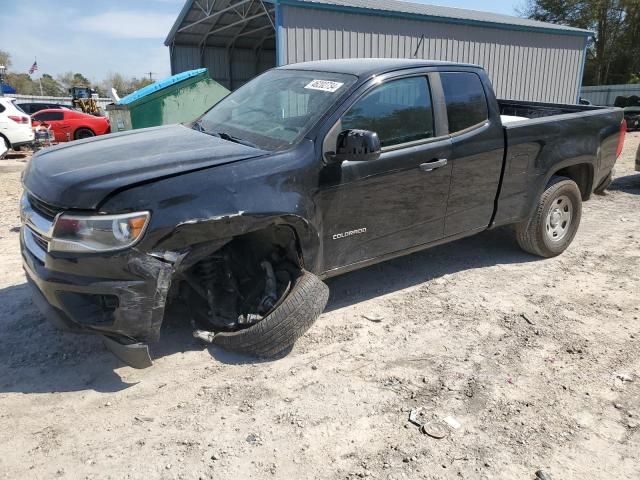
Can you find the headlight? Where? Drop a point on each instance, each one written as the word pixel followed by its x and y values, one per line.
pixel 100 233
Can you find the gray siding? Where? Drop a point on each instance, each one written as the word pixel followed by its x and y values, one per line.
pixel 606 94
pixel 522 65
pixel 243 67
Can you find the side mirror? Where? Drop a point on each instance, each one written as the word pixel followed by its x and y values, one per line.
pixel 357 146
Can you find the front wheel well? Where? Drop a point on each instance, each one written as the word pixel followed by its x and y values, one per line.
pixel 582 174
pixel 265 241
pixel 227 285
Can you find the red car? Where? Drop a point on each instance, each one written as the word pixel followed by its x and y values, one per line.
pixel 70 124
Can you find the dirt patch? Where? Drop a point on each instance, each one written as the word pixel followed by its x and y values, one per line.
pixel 538 360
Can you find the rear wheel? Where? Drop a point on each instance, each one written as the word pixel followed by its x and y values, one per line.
pixel 84 133
pixel 555 222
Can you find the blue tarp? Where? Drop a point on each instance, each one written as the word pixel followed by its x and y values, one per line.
pixel 8 88
pixel 159 85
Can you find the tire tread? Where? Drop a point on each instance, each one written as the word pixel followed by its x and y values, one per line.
pixel 285 325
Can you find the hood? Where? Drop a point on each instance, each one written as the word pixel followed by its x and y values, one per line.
pixel 81 174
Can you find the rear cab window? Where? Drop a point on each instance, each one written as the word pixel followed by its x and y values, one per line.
pixel 465 99
pixel 399 111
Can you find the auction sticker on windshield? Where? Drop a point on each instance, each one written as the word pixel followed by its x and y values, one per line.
pixel 324 85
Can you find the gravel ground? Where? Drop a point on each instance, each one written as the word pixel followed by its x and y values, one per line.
pixel 538 361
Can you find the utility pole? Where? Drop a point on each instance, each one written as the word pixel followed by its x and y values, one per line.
pixel 150 75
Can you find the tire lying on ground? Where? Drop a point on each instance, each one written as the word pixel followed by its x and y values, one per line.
pixel 279 330
pixel 554 224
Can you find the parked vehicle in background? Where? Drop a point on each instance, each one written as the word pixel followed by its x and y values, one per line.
pixel 85 99
pixel 632 116
pixel 306 172
pixel 71 125
pixel 15 125
pixel 34 107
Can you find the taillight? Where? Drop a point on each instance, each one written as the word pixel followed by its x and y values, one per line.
pixel 623 134
pixel 18 119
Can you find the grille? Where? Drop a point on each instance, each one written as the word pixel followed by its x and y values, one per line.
pixel 45 209
pixel 42 243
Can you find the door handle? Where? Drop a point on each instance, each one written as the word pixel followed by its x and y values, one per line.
pixel 434 164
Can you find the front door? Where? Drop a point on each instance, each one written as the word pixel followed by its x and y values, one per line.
pixel 399 201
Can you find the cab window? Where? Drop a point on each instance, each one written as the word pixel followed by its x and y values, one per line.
pixel 466 100
pixel 399 111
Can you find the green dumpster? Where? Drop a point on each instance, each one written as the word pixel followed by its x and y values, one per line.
pixel 177 99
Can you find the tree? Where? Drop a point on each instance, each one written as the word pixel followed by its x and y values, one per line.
pixel 70 79
pixel 122 85
pixel 614 54
pixel 50 86
pixel 5 59
pixel 22 83
pixel 59 87
pixel 117 81
pixel 138 83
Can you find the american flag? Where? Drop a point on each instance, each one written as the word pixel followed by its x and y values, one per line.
pixel 33 68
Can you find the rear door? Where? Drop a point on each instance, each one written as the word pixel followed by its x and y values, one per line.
pixel 477 151
pixel 374 208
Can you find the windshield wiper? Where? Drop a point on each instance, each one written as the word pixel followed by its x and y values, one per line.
pixel 231 138
pixel 198 126
pixel 223 135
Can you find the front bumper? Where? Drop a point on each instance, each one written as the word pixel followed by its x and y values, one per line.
pixel 120 295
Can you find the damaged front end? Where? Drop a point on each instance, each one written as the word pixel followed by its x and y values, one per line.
pixel 228 286
pixel 118 294
pixel 127 312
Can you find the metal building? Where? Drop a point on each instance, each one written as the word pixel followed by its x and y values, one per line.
pixel 238 39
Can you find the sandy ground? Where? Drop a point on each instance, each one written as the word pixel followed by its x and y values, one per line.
pixel 538 360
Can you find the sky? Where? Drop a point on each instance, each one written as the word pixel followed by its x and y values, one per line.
pixel 99 37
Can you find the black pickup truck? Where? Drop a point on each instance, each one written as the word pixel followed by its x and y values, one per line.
pixel 306 172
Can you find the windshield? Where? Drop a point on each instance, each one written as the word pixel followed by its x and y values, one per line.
pixel 276 109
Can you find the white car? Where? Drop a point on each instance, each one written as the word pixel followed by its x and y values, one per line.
pixel 15 125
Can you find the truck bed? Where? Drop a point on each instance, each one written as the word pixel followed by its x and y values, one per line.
pixel 552 138
pixel 538 110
